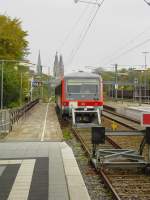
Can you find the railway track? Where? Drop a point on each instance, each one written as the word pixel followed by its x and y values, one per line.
pixel 121 119
pixel 124 184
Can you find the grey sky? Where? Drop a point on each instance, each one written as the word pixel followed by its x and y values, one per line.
pixel 49 21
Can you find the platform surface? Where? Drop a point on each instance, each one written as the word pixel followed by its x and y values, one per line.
pixel 131 110
pixel 39 171
pixel 125 104
pixel 35 165
pixel 38 124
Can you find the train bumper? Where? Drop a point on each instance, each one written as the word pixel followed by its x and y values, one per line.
pixel 86 118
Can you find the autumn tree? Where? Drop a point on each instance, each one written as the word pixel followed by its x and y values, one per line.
pixel 13 43
pixel 13 46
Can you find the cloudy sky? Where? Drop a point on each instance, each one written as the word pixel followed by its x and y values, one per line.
pixel 59 25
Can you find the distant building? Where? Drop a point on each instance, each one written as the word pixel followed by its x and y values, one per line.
pixel 56 66
pixel 61 67
pixel 39 65
pixel 58 70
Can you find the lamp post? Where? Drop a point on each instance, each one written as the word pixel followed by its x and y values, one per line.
pixel 145 83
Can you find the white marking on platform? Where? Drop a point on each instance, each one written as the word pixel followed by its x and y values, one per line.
pixel 21 186
pixel 44 127
pixel 76 185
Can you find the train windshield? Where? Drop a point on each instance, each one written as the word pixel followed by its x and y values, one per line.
pixel 80 89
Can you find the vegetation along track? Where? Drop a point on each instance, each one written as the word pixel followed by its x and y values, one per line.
pixel 124 184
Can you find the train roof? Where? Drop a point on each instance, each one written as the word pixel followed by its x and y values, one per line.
pixel 82 75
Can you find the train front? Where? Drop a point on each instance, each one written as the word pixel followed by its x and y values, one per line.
pixel 83 97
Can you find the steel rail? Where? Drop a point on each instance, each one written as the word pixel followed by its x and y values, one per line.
pixel 101 172
pixel 133 126
pixel 120 115
pixel 107 181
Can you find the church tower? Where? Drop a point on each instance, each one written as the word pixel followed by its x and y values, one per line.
pixel 61 67
pixel 56 66
pixel 39 65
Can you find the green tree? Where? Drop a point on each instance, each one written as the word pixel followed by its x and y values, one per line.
pixel 13 43
pixel 13 46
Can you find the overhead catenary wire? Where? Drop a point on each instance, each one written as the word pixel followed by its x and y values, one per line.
pixel 147 2
pixel 128 43
pixel 69 34
pixel 81 33
pixel 87 30
pixel 129 50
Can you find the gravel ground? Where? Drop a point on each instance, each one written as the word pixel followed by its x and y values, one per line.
pixel 94 183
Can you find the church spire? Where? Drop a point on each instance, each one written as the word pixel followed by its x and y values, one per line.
pixel 56 66
pixel 39 64
pixel 61 67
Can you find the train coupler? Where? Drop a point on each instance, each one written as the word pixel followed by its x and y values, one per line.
pixel 84 118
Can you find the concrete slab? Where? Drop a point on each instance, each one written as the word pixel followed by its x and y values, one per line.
pixel 40 170
pixel 76 185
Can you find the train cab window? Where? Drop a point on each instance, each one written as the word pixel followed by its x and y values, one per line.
pixel 83 89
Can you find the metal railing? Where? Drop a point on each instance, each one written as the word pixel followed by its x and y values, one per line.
pixel 9 117
pixel 4 121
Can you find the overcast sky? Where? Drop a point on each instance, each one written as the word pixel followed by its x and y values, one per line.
pixel 115 30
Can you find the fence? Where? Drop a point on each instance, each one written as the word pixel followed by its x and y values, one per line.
pixel 9 117
pixel 4 121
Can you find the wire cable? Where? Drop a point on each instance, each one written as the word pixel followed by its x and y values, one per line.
pixel 87 30
pixel 147 2
pixel 69 34
pixel 129 50
pixel 125 45
pixel 81 34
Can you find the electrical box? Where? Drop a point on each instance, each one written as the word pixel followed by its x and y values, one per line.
pixel 98 135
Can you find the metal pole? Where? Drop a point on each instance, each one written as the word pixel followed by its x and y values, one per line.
pixel 2 83
pixel 31 89
pixel 145 73
pixel 116 82
pixel 140 92
pixel 21 89
pixel 122 94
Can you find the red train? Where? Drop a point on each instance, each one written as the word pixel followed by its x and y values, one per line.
pixel 80 96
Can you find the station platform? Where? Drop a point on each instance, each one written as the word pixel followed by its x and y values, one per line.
pixel 129 109
pixel 38 124
pixel 40 171
pixel 35 163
